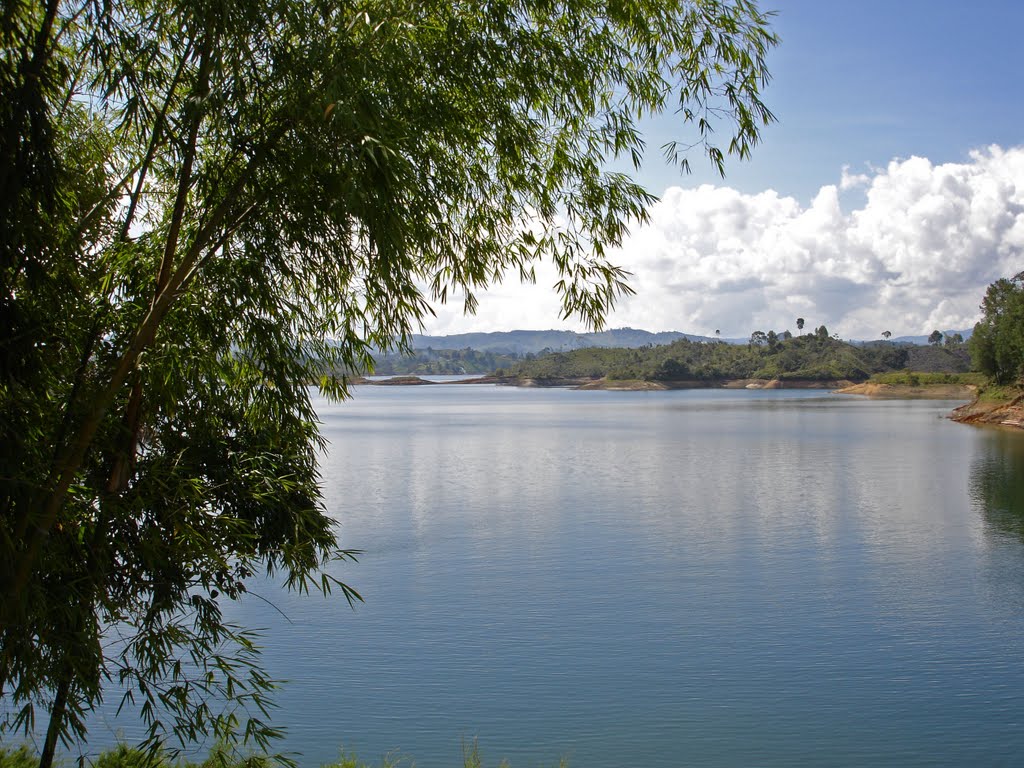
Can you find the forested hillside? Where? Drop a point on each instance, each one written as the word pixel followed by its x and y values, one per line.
pixel 433 362
pixel 522 342
pixel 810 357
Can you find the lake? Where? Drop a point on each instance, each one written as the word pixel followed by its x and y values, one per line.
pixel 690 578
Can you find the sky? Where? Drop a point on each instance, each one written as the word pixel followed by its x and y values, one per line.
pixel 887 196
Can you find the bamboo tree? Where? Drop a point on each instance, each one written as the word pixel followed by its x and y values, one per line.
pixel 209 206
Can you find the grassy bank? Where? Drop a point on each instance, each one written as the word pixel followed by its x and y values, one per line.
pixel 914 385
pixel 994 393
pixel 924 379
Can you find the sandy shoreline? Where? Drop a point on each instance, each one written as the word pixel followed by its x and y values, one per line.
pixel 906 391
pixel 1005 413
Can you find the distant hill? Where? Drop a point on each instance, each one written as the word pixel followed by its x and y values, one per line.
pixel 924 339
pixel 801 358
pixel 471 353
pixel 532 342
pixel 938 359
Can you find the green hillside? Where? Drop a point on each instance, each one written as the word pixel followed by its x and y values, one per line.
pixel 810 357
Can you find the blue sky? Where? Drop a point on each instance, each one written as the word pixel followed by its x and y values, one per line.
pixel 910 97
pixel 859 83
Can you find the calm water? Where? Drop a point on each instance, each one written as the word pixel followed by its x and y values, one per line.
pixel 702 578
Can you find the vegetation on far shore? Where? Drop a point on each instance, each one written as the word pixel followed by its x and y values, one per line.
pixel 992 360
pixel 938 369
pixel 815 357
pixel 916 378
pixel 997 393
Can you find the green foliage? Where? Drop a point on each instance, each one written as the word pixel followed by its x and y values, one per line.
pixel 124 756
pixel 18 758
pixel 995 393
pixel 997 344
pixel 938 359
pixel 811 357
pixel 203 208
pixel 442 362
pixel 914 378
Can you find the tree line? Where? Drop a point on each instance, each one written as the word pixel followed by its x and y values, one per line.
pixel 995 349
pixel 441 362
pixel 997 344
pixel 815 357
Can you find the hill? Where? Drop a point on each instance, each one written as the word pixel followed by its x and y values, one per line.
pixel 923 340
pixel 801 358
pixel 533 342
pixel 482 353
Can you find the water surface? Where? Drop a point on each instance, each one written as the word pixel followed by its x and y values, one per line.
pixel 693 578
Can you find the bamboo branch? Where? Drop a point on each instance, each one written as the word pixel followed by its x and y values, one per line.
pixel 72 457
pixel 147 161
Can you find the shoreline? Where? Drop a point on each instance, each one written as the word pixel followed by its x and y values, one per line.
pixel 911 392
pixel 993 413
pixel 997 413
pixel 1003 414
pixel 614 385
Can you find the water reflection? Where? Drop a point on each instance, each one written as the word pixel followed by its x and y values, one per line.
pixel 661 579
pixel 997 481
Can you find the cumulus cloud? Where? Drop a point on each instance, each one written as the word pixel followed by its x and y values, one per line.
pixel 852 181
pixel 915 253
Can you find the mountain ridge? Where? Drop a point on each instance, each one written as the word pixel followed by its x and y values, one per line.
pixel 523 342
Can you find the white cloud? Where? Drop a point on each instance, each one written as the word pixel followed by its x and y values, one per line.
pixel 917 254
pixel 853 181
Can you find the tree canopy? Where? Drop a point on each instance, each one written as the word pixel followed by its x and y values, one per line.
pixel 207 206
pixel 997 344
pixel 808 358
